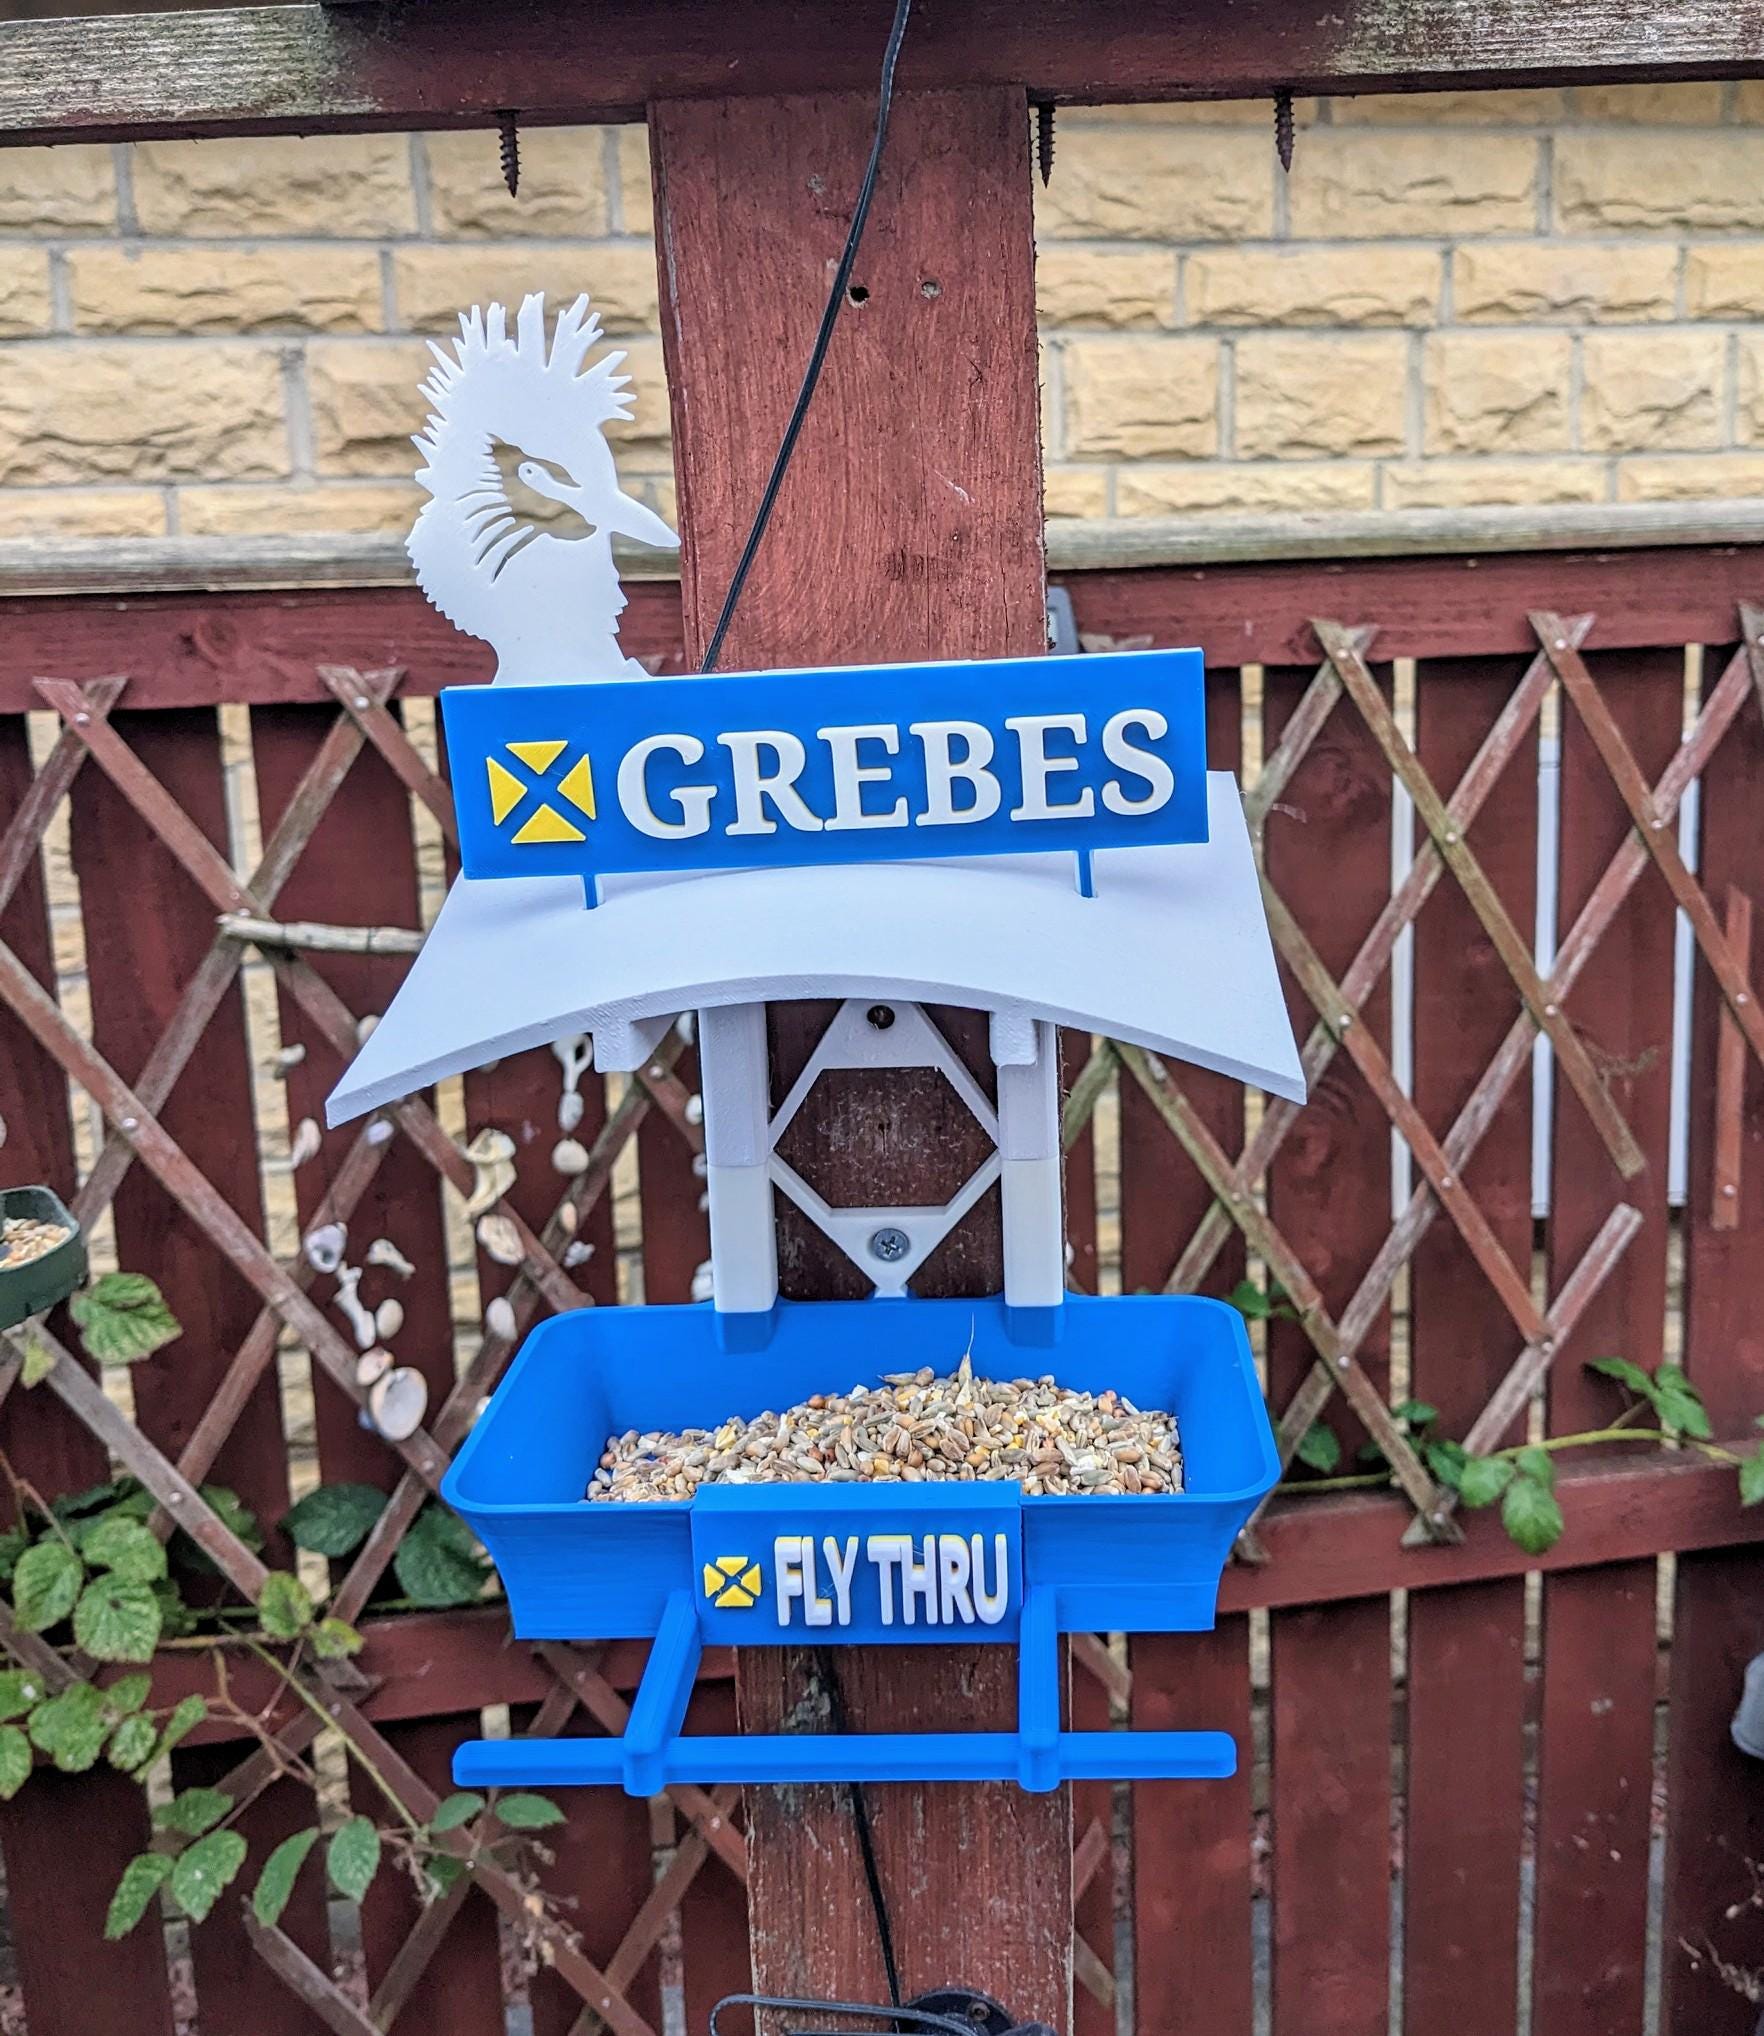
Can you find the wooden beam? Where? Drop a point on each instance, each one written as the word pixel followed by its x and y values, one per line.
pixel 441 63
pixel 909 526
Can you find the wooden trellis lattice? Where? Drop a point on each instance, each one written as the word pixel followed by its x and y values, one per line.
pixel 366 720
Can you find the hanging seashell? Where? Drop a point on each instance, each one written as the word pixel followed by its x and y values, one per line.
pixel 379 1131
pixel 2 1130
pixel 695 1109
pixel 700 1166
pixel 491 1153
pixel 365 1024
pixel 570 1156
pixel 372 1364
pixel 569 1109
pixel 569 1216
pixel 500 1239
pixel 499 1319
pixel 701 1282
pixel 687 1026
pixel 489 1145
pixel 291 1056
pixel 397 1401
pixel 384 1252
pixel 349 1302
pixel 388 1319
pixel 578 1253
pixel 324 1247
pixel 307 1140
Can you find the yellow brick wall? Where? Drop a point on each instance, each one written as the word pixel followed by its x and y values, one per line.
pixel 1512 297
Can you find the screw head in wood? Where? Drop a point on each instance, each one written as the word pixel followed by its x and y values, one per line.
pixel 889 1244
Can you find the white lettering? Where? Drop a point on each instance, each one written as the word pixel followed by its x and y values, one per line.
pixel 1136 762
pixel 694 801
pixel 816 1610
pixel 990 1604
pixel 754 786
pixel 850 776
pixel 787 1572
pixel 888 1552
pixel 841 1572
pixel 1032 731
pixel 943 772
pixel 952 1560
pixel 918 1579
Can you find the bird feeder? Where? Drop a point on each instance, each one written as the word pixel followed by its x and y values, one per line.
pixel 33 1280
pixel 1038 839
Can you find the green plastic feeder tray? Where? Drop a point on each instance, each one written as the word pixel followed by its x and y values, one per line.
pixel 38 1283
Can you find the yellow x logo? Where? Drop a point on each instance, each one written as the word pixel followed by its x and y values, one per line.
pixel 732 1582
pixel 545 822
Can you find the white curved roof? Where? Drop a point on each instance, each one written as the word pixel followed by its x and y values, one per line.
pixel 1172 953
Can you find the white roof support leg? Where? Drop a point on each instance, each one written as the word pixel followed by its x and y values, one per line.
pixel 737 1147
pixel 1029 1149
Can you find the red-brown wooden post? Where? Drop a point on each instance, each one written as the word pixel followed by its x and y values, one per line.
pixel 910 526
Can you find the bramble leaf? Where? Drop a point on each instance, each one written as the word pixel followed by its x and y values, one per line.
pixel 353 1857
pixel 1533 1462
pixel 437 1563
pixel 1751 1477
pixel 132 1744
pixel 20 1688
pixel 284 1605
pixel 127 1693
pixel 524 1812
pixel 1482 1479
pixel 1319 1447
pixel 15 1761
pixel 334 1640
pixel 280 1871
pixel 442 1871
pixel 187 1714
pixel 125 1548
pixel 336 1519
pixel 1530 1514
pixel 193 1811
pixel 1680 1404
pixel 142 1879
pixel 45 1585
pixel 200 1875
pixel 122 1318
pixel 117 1621
pixel 456 1810
pixel 39 1361
pixel 1446 1459
pixel 71 1727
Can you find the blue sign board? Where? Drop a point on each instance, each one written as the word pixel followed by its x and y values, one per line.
pixel 881 763
pixel 816 1563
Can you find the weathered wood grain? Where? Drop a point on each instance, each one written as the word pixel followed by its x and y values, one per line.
pixel 308 69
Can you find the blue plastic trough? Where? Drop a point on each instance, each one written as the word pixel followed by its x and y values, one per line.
pixel 840 1563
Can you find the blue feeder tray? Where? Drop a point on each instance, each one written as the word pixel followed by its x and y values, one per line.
pixel 825 1564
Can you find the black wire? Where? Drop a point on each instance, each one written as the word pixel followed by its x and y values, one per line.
pixel 817 357
pixel 828 1675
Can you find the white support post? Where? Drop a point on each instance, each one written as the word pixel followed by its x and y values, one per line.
pixel 1029 1176
pixel 737 1149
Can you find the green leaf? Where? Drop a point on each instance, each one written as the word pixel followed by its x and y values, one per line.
pixel 193 1811
pixel 442 1871
pixel 1446 1459
pixel 142 1879
pixel 523 1812
pixel 1416 1414
pixel 1626 1374
pixel 20 1688
pixel 127 1693
pixel 15 1761
pixel 13 1543
pixel 234 1514
pixel 1681 1405
pixel 437 1564
pixel 284 1606
pixel 1250 1301
pixel 1319 1447
pixel 125 1548
pixel 280 1871
pixel 1530 1515
pixel 201 1874
pixel 39 1361
pixel 71 1728
pixel 95 1498
pixel 45 1585
pixel 122 1318
pixel 456 1810
pixel 188 1713
pixel 133 1743
pixel 1533 1462
pixel 334 1639
pixel 1751 1477
pixel 1482 1479
pixel 353 1857
pixel 177 1618
pixel 336 1519
pixel 117 1621
pixel 1370 1453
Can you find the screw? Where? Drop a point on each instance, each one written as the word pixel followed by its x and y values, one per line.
pixel 1044 140
pixel 511 152
pixel 889 1244
pixel 880 1016
pixel 1283 128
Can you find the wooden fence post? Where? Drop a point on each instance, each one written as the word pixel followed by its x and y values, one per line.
pixel 909 526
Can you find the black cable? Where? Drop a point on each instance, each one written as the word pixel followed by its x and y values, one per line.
pixel 823 339
pixel 828 1675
